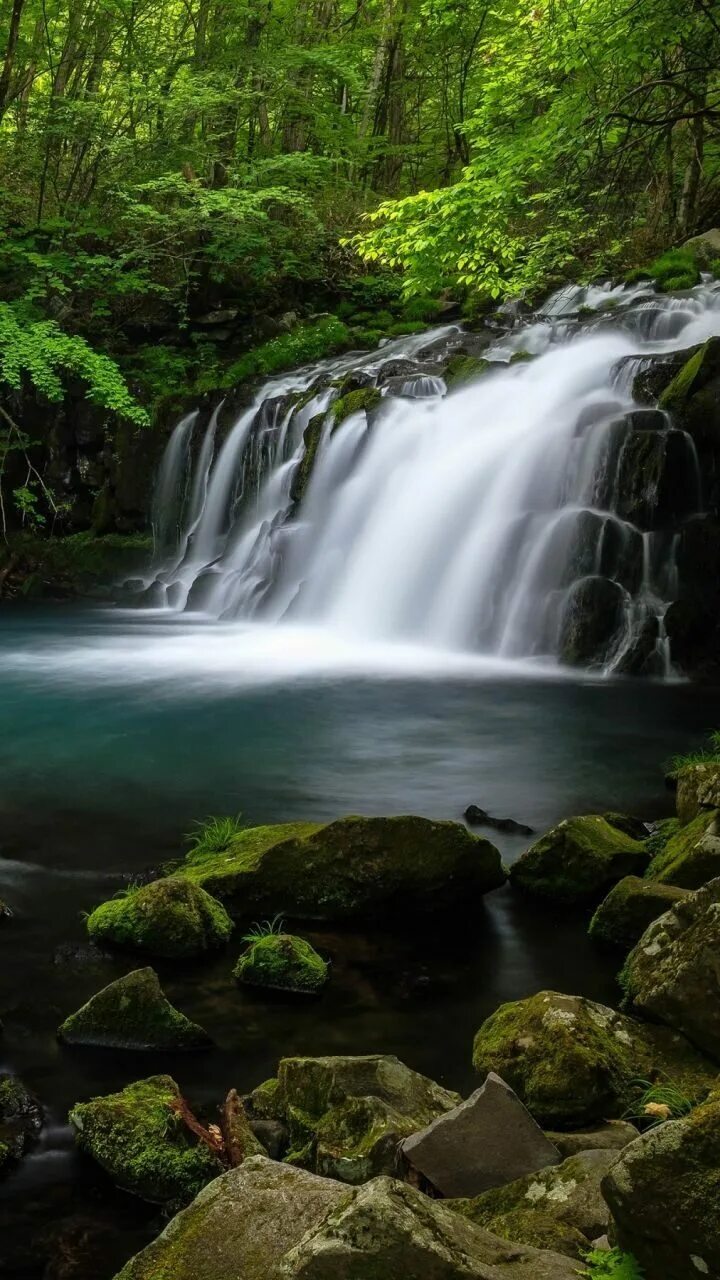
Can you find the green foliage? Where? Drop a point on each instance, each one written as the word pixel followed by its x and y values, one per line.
pixel 675 269
pixel 305 344
pixel 657 1102
pixel 214 835
pixel 612 1264
pixel 264 929
pixel 705 755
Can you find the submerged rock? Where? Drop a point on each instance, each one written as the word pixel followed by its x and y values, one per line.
pixel 170 918
pixel 573 1061
pixel 557 1208
pixel 140 1139
pixel 484 1142
pixel 132 1013
pixel 372 868
pixel 577 860
pixel 346 1116
pixel 21 1120
pixel 691 854
pixel 282 962
pixel 664 1195
pixel 631 905
pixel 266 1221
pixel 673 974
pixel 477 817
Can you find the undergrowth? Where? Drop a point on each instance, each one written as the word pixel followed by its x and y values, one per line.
pixel 612 1264
pixel 264 929
pixel 706 755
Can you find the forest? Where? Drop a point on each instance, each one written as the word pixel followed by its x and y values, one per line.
pixel 163 160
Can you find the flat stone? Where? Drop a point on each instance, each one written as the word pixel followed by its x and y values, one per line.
pixel 613 1135
pixel 484 1142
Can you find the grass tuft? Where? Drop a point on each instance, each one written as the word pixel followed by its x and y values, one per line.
pixel 215 835
pixel 706 755
pixel 658 1102
pixel 264 929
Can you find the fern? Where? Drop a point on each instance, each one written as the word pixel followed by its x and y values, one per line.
pixel 612 1264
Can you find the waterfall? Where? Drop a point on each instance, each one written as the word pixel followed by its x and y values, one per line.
pixel 502 517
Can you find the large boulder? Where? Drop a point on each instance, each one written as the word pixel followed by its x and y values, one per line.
pixel 573 1061
pixel 591 618
pixel 282 962
pixel 578 860
pixel 664 1196
pixel 267 1221
pixel 673 974
pixel 372 868
pixel 690 855
pixel 698 789
pixel 346 1116
pixel 132 1013
pixel 631 905
pixel 140 1138
pixel 488 1140
pixel 558 1208
pixel 172 919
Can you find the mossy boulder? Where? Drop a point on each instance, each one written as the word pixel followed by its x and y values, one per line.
pixel 698 790
pixel 311 440
pixel 560 1207
pixel 578 860
pixel 689 856
pixel 20 1120
pixel 631 905
pixel 463 369
pixel 283 962
pixel 375 869
pixel 664 1195
pixel 361 400
pixel 267 1221
pixel 673 974
pixel 138 1136
pixel 574 1062
pixel 132 1013
pixel 347 1115
pixel 172 919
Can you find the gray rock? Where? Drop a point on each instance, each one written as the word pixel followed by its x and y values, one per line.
pixel 613 1135
pixel 706 247
pixel 484 1142
pixel 698 788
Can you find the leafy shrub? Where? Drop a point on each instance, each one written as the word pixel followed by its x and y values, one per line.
pixel 612 1264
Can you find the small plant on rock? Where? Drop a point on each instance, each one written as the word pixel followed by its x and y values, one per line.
pixel 659 1102
pixel 264 929
pixel 214 835
pixel 706 755
pixel 612 1264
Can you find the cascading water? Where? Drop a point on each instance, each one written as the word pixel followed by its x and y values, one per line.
pixel 505 517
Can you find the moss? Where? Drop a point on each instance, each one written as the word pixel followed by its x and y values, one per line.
pixel 363 399
pixel 521 357
pixel 284 962
pixel 675 269
pixel 687 858
pixel 540 1219
pixel 170 918
pixel 631 905
pixel 683 384
pixel 577 860
pixel 132 1013
pixel 81 564
pixel 143 1144
pixel 347 868
pixel 311 440
pixel 462 369
pixel 266 1103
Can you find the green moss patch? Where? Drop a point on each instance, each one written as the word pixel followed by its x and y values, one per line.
pixel 132 1013
pixel 690 855
pixel 461 369
pixel 631 905
pixel 578 860
pixel 364 399
pixel 283 962
pixel 170 918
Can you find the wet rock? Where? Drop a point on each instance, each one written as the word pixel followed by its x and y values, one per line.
pixel 631 905
pixel 378 868
pixel 461 370
pixel 274 1137
pixel 690 855
pixel 612 1135
pixel 656 479
pixel 591 620
pixel 346 1116
pixel 170 918
pixel 692 625
pixel 673 976
pixel 282 962
pixel 311 440
pixel 267 1221
pixel 132 1013
pixel 557 1208
pixel 361 401
pixel 5 912
pixel 477 817
pixel 140 1139
pixel 21 1120
pixel 698 788
pixel 574 1062
pixel 484 1142
pixel 663 1196
pixel 577 860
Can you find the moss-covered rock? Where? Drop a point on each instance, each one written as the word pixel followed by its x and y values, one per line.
pixel 560 1207
pixel 372 868
pixel 631 905
pixel 170 918
pixel 573 1061
pixel 463 369
pixel 673 974
pixel 140 1139
pixel 361 400
pixel 311 439
pixel 578 860
pixel 664 1195
pixel 132 1013
pixel 347 1115
pixel 81 564
pixel 698 790
pixel 20 1120
pixel 267 1221
pixel 689 856
pixel 284 962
